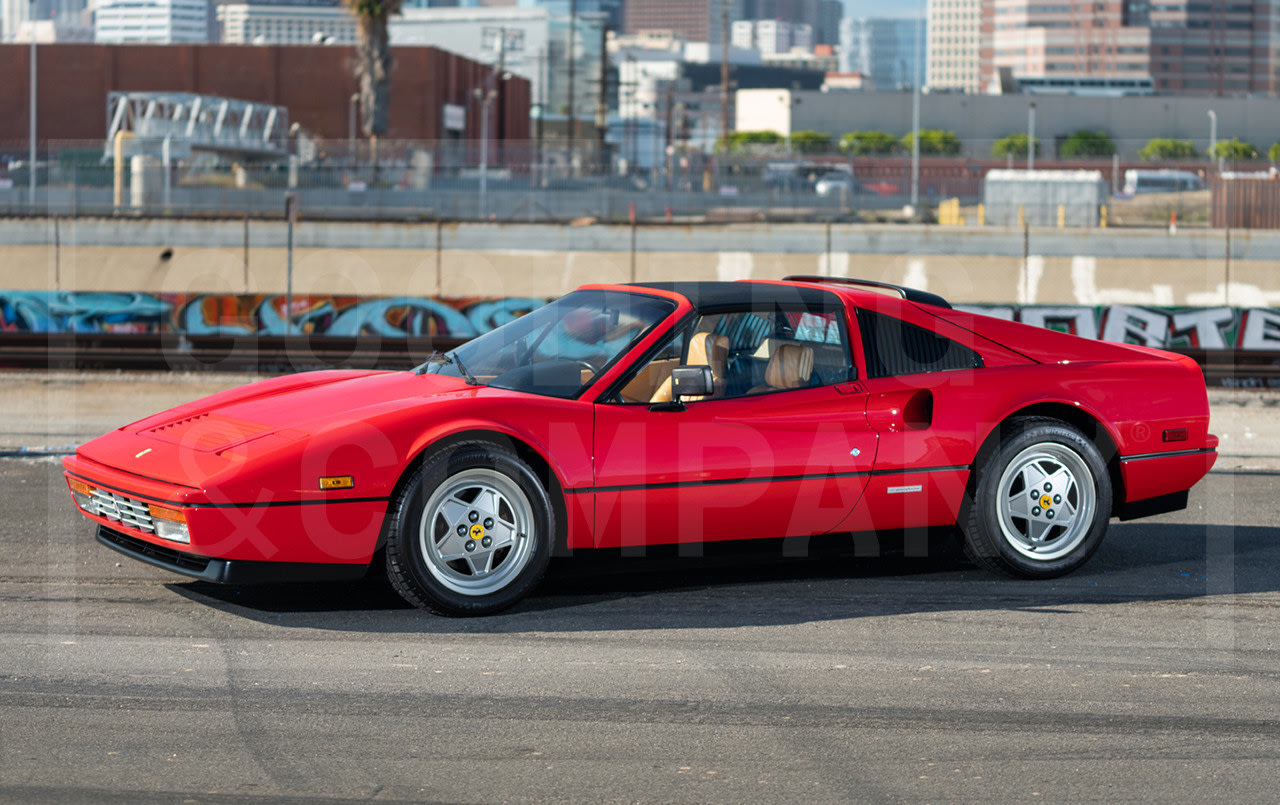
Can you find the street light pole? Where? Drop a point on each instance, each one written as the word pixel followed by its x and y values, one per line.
pixel 572 123
pixel 351 131
pixel 486 95
pixel 31 182
pixel 915 120
pixel 724 80
pixel 1213 134
pixel 788 102
pixel 1031 136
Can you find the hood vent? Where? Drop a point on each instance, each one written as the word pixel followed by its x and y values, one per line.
pixel 208 432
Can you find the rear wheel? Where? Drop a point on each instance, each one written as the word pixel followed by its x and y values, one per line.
pixel 470 532
pixel 1040 502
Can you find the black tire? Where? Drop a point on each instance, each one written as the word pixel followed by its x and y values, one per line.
pixel 1008 530
pixel 470 532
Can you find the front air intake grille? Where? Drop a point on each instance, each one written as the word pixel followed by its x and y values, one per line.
pixel 154 554
pixel 121 509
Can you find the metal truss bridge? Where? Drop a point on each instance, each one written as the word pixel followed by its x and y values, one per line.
pixel 188 126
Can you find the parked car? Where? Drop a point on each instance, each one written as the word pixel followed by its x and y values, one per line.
pixel 836 184
pixel 1138 182
pixel 803 176
pixel 633 415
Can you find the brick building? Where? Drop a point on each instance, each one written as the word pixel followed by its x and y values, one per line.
pixel 314 83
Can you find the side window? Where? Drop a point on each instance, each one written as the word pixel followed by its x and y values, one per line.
pixel 812 335
pixel 652 382
pixel 893 347
pixel 750 352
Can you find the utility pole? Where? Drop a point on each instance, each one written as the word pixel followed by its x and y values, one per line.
pixel 31 169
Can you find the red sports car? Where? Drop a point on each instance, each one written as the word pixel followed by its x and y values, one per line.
pixel 630 415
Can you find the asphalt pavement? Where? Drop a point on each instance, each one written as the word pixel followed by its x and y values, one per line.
pixel 771 676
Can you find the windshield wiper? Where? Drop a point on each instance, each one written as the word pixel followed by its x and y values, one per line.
pixel 462 367
pixel 438 358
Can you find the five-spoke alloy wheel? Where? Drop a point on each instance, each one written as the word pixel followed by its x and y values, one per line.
pixel 1039 502
pixel 470 531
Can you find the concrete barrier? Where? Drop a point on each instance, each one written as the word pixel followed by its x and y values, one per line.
pixel 971 266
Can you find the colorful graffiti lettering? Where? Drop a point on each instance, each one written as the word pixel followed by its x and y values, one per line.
pixel 43 312
pixel 404 316
pixel 1163 328
pixel 247 315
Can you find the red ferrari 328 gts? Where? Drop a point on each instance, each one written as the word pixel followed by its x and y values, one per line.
pixel 628 415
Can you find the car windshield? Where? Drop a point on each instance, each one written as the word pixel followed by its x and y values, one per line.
pixel 556 350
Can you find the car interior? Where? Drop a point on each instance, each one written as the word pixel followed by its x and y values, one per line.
pixel 749 352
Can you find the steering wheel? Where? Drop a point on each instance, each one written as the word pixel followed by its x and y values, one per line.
pixel 587 365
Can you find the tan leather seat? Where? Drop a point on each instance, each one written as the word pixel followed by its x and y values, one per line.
pixel 705 349
pixel 790 367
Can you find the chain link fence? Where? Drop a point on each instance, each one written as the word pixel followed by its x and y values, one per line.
pixel 535 181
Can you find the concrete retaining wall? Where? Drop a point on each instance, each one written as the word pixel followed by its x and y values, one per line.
pixel 966 265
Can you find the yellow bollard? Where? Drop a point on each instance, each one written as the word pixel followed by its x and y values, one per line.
pixel 1062 216
pixel 1104 216
pixel 1022 217
pixel 982 215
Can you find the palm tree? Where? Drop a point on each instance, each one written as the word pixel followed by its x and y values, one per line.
pixel 373 66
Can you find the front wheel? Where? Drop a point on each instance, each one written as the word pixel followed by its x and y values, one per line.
pixel 1040 502
pixel 470 533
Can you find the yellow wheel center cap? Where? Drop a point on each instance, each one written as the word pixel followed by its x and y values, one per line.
pixel 1045 502
pixel 477 531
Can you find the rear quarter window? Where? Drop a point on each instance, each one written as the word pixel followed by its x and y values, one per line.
pixel 894 347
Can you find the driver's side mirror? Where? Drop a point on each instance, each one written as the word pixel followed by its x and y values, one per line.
pixel 692 381
pixel 687 381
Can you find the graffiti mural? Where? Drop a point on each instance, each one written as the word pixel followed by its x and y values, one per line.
pixel 44 312
pixel 1163 328
pixel 404 316
pixel 249 315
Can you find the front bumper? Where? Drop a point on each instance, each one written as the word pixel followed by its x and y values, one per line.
pixel 225 571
